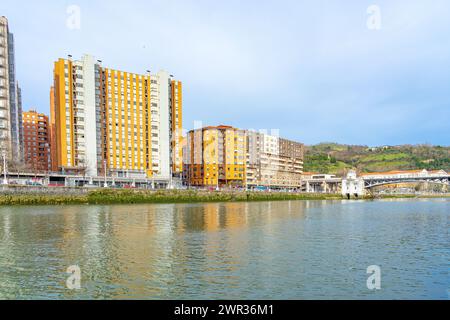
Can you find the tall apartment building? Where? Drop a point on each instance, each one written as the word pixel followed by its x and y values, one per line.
pixel 273 162
pixel 36 141
pixel 11 134
pixel 52 133
pixel 114 121
pixel 215 156
pixel 177 138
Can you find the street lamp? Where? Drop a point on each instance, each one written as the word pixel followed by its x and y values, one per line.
pixel 171 178
pixel 5 169
pixel 104 166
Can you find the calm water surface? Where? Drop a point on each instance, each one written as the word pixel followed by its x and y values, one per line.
pixel 266 250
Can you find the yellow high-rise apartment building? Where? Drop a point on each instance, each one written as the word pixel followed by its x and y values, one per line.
pixel 215 156
pixel 129 122
pixel 177 124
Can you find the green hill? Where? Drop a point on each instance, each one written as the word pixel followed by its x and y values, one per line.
pixel 338 158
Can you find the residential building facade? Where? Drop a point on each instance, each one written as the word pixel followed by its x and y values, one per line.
pixel 11 134
pixel 36 141
pixel 176 118
pixel 115 122
pixel 215 156
pixel 273 162
pixel 52 132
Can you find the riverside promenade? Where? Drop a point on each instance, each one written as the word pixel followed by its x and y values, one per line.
pixel 38 195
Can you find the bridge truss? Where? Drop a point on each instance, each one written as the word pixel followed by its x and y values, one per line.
pixel 371 183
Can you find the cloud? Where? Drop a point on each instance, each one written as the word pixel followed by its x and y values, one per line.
pixel 310 68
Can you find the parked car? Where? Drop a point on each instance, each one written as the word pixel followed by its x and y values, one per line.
pixel 34 183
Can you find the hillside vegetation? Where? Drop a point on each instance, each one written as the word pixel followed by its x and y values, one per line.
pixel 338 158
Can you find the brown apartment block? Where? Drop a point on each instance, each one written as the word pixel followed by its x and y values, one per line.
pixel 36 141
pixel 273 162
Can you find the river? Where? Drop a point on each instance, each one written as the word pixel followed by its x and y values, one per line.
pixel 259 250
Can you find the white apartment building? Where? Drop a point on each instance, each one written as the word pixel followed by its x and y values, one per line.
pixel 273 162
pixel 11 131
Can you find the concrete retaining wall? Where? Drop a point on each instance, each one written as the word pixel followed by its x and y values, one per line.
pixel 17 190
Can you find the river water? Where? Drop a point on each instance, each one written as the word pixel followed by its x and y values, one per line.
pixel 260 250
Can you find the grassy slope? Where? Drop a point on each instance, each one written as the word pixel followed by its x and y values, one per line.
pixel 336 158
pixel 111 196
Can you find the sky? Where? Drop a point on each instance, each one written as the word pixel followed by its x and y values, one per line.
pixel 356 72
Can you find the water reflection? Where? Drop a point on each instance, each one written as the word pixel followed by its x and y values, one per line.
pixel 293 249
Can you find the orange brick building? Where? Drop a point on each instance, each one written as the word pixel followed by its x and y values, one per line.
pixel 36 141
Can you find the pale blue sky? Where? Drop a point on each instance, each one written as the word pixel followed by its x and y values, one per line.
pixel 312 69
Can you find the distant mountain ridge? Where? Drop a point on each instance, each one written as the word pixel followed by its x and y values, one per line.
pixel 337 158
